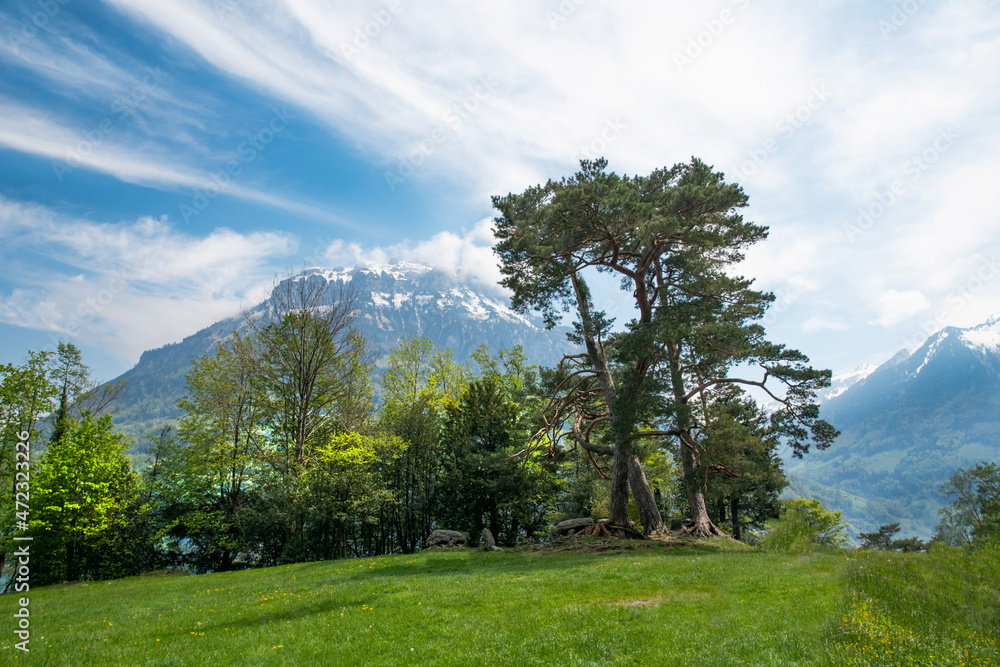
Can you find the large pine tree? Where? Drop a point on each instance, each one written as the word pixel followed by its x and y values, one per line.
pixel 672 238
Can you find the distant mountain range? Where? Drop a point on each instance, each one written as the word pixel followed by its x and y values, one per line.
pixel 393 301
pixel 906 426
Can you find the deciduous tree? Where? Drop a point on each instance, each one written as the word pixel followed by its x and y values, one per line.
pixel 317 372
pixel 26 396
pixel 84 490
pixel 208 468
pixel 314 365
pixel 418 384
pixel 973 516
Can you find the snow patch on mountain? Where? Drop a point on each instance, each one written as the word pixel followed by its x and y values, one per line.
pixel 397 271
pixel 507 314
pixel 475 307
pixel 934 346
pixel 843 381
pixel 337 275
pixel 983 338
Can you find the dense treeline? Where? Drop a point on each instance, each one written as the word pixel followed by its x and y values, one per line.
pixel 276 461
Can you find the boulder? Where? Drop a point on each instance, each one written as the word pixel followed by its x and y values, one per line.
pixel 489 544
pixel 446 538
pixel 571 526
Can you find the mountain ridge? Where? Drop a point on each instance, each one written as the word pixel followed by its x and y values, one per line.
pixel 392 302
pixel 906 427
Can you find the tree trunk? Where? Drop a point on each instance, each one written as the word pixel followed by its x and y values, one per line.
pixel 622 474
pixel 695 487
pixel 494 518
pixel 694 483
pixel 226 562
pixel 618 505
pixel 703 526
pixel 71 565
pixel 734 515
pixel 649 511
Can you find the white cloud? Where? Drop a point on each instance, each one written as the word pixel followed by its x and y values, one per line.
pixel 469 255
pixel 563 75
pixel 895 306
pixel 821 323
pixel 557 85
pixel 130 286
pixel 563 72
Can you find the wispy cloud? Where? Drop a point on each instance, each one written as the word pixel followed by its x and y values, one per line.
pixel 128 286
pixel 31 130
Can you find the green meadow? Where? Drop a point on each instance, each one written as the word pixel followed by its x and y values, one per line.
pixel 597 603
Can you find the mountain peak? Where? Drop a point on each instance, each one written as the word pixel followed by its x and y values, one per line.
pixel 395 270
pixel 906 427
pixel 984 337
pixel 946 363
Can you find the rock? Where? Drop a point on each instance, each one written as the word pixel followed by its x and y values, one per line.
pixel 446 538
pixel 677 523
pixel 489 544
pixel 571 526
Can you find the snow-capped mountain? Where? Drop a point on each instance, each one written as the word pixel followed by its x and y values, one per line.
pixel 844 381
pixel 950 362
pixel 907 426
pixel 405 300
pixel 393 302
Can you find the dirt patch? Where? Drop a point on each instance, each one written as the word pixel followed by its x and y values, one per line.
pixel 651 602
pixel 656 601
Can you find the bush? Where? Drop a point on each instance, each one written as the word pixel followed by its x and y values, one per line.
pixel 803 527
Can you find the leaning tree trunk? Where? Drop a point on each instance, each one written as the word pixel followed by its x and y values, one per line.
pixel 618 502
pixel 625 470
pixel 645 501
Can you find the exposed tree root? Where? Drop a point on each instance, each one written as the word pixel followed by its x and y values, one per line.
pixel 606 529
pixel 702 530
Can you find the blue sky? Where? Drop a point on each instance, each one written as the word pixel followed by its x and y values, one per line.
pixel 162 162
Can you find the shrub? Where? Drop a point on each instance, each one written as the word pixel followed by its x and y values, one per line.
pixel 804 526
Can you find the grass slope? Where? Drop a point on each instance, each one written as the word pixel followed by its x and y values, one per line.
pixel 665 605
pixel 941 608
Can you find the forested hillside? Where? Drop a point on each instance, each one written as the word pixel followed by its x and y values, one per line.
pixel 906 428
